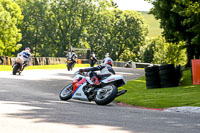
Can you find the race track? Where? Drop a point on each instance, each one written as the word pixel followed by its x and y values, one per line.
pixel 30 103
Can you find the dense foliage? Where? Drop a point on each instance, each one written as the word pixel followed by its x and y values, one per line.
pixel 116 31
pixel 158 51
pixel 10 18
pixel 51 27
pixel 180 20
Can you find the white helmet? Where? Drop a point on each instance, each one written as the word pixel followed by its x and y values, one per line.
pixel 93 54
pixel 108 61
pixel 107 55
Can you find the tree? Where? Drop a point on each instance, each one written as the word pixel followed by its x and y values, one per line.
pixel 180 21
pixel 55 26
pixel 71 19
pixel 159 51
pixel 10 18
pixel 33 31
pixel 116 31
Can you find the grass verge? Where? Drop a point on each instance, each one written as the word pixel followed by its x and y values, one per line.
pixel 184 95
pixel 48 67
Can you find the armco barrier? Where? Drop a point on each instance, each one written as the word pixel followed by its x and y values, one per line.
pixel 196 71
pixel 62 60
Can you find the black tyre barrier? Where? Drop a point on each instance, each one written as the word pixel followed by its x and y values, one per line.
pixel 178 73
pixel 157 84
pixel 162 76
pixel 153 87
pixel 167 85
pixel 165 82
pixel 152 74
pixel 167 72
pixel 153 82
pixel 166 67
pixel 168 76
pixel 151 69
pixel 152 77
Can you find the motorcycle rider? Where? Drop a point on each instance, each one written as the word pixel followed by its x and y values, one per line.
pixel 105 68
pixel 93 60
pixel 26 55
pixel 72 55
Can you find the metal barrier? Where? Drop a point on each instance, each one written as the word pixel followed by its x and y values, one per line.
pixel 62 60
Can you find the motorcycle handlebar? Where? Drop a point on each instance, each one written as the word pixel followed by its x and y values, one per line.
pixel 81 73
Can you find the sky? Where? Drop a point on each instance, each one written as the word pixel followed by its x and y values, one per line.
pixel 138 5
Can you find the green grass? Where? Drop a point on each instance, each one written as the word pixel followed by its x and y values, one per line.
pixel 48 67
pixel 154 25
pixel 184 95
pixel 5 68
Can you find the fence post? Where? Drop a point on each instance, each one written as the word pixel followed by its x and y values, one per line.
pixel 8 60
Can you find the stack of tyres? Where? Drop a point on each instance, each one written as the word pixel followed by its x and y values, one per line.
pixel 152 77
pixel 168 76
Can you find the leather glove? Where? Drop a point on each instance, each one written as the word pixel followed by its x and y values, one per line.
pixel 81 70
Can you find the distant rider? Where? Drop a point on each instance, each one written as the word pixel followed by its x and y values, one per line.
pixel 26 55
pixel 72 55
pixel 93 59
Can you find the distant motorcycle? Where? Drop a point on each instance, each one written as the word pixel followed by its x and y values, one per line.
pixel 102 92
pixel 70 64
pixel 18 65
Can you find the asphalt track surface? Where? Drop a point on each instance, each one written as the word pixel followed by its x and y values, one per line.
pixel 30 103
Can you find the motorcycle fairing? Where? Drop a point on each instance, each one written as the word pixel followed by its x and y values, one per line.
pixel 115 78
pixel 78 85
pixel 69 61
pixel 19 60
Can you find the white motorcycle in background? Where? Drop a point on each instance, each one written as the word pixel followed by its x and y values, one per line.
pixel 102 92
pixel 18 65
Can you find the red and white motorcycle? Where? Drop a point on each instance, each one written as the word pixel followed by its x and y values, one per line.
pixel 91 89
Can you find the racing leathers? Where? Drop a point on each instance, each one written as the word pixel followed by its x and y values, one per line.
pixel 26 57
pixel 93 60
pixel 105 70
pixel 72 56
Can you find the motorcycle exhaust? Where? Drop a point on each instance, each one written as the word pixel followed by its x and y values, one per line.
pixel 119 93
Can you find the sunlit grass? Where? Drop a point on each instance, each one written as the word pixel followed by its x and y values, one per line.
pixel 184 95
pixel 5 68
pixel 48 67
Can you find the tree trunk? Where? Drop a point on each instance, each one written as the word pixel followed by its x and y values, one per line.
pixel 190 53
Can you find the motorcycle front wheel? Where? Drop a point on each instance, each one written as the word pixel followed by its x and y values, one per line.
pixel 68 67
pixel 15 68
pixel 66 92
pixel 106 95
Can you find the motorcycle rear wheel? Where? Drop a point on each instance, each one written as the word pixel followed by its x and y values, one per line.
pixel 106 95
pixel 66 92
